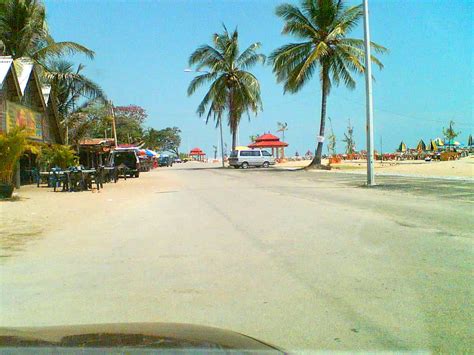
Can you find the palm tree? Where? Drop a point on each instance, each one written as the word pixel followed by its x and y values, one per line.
pixel 69 87
pixel 349 139
pixel 233 89
pixel 331 140
pixel 324 26
pixel 282 127
pixel 24 33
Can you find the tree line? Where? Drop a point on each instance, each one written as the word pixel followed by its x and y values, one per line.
pixel 82 105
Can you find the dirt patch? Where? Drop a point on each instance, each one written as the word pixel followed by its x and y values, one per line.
pixel 15 238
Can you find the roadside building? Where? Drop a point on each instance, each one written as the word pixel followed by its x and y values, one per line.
pixel 94 152
pixel 24 102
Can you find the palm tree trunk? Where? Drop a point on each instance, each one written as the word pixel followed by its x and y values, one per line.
pixel 232 119
pixel 222 138
pixel 316 162
pixel 234 138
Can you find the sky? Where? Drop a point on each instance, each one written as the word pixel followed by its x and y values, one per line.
pixel 142 49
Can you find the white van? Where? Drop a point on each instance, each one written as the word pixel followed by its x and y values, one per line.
pixel 250 157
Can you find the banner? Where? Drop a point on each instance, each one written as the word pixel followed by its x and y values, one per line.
pixel 18 115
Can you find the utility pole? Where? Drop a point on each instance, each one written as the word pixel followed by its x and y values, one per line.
pixel 368 101
pixel 112 112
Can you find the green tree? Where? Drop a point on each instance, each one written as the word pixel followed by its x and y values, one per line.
pixel 56 155
pixel 128 123
pixel 449 133
pixel 253 137
pixel 323 25
pixel 232 88
pixel 91 120
pixel 167 139
pixel 70 86
pixel 282 127
pixel 331 140
pixel 24 33
pixel 12 146
pixel 349 139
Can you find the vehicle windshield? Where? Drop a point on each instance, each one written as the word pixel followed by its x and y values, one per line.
pixel 250 174
pixel 127 158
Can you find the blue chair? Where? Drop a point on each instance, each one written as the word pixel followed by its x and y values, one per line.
pixel 57 179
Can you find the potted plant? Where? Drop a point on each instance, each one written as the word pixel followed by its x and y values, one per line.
pixel 12 146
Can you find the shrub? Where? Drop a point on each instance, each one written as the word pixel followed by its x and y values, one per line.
pixel 12 146
pixel 56 155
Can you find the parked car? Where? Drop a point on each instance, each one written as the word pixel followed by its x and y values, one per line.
pixel 251 157
pixel 177 160
pixel 128 158
pixel 165 160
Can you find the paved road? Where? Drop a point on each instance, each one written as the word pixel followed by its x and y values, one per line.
pixel 304 260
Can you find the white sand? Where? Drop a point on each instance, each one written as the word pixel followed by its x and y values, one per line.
pixel 458 168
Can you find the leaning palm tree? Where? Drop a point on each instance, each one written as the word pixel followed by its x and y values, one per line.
pixel 323 25
pixel 72 91
pixel 70 85
pixel 24 33
pixel 233 89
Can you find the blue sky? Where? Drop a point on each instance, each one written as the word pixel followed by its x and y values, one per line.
pixel 142 48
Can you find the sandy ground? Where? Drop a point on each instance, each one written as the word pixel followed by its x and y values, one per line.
pixel 459 168
pixel 301 260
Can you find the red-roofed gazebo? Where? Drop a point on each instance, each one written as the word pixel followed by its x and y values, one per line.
pixel 268 140
pixel 197 153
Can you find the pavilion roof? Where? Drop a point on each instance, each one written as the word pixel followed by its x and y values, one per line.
pixel 268 140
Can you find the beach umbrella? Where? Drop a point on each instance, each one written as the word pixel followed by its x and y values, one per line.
pixel 421 145
pixel 402 147
pixel 469 141
pixel 433 146
pixel 149 153
pixel 439 142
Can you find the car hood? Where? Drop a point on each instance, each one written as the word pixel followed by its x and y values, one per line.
pixel 132 335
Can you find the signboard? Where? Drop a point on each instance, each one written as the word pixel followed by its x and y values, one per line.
pixel 18 115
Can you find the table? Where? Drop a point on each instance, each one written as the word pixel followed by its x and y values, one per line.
pixel 110 174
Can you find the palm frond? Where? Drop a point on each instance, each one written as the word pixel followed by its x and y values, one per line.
pixel 250 57
pixel 50 48
pixel 296 23
pixel 199 81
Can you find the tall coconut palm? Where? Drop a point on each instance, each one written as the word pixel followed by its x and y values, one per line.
pixel 323 25
pixel 70 85
pixel 72 91
pixel 24 32
pixel 233 89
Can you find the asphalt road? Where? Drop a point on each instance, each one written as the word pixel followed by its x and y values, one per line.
pixel 303 260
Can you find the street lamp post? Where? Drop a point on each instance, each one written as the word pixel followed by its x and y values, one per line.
pixel 112 112
pixel 368 101
pixel 219 117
